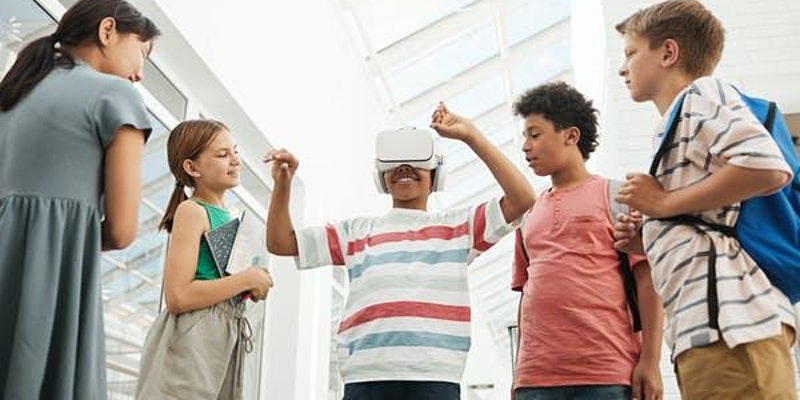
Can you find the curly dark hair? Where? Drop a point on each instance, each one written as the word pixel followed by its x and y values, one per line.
pixel 565 107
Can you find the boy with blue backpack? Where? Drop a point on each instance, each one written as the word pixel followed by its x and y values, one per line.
pixel 730 330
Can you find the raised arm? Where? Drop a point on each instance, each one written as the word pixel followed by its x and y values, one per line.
pixel 281 239
pixel 518 194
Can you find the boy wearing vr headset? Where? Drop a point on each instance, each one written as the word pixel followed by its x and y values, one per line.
pixel 405 332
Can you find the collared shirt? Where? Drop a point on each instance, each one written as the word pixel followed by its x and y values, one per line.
pixel 575 328
pixel 716 128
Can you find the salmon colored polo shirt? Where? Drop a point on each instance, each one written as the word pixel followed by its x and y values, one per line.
pixel 575 326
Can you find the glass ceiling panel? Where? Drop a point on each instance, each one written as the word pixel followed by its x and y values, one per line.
pixel 155 160
pixel 144 243
pixel 498 134
pixel 423 119
pixel 161 197
pixel 540 67
pixel 474 101
pixel 164 90
pixel 21 21
pixel 155 166
pixel 444 63
pixel 458 191
pixel 479 98
pixel 146 214
pixel 254 185
pixel 159 131
pixel 533 17
pixel 387 21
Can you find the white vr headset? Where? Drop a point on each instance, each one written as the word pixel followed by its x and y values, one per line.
pixel 407 146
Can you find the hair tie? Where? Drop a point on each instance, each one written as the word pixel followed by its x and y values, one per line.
pixel 56 41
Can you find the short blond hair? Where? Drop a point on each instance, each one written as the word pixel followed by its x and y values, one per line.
pixel 699 34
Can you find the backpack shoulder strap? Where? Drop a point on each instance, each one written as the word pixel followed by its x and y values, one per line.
pixel 769 121
pixel 628 280
pixel 669 135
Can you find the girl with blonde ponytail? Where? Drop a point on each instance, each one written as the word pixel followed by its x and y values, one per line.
pixel 195 348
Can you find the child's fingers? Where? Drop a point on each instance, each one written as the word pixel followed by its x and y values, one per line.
pixel 271 156
pixel 622 198
pixel 636 387
pixel 277 154
pixel 285 159
pixel 633 175
pixel 622 235
pixel 436 115
pixel 624 230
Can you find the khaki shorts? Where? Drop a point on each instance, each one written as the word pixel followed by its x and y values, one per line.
pixel 194 355
pixel 759 370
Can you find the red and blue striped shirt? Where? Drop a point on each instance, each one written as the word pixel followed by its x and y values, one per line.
pixel 407 315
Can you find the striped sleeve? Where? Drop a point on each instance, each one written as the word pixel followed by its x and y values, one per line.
pixel 487 226
pixel 730 131
pixel 321 245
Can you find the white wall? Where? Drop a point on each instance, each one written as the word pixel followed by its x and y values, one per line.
pixel 589 58
pixel 762 55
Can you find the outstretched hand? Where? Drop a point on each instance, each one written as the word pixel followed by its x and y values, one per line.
pixel 284 164
pixel 452 126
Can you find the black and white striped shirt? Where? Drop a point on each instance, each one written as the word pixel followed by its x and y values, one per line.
pixel 716 128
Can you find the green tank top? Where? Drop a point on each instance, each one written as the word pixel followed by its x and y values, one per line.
pixel 206 270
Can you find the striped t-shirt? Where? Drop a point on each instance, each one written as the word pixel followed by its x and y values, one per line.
pixel 407 316
pixel 716 128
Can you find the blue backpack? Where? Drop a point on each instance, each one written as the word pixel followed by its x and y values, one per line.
pixel 768 227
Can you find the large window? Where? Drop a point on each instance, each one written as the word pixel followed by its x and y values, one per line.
pixel 20 21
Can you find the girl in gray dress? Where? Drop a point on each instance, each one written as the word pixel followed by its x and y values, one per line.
pixel 72 133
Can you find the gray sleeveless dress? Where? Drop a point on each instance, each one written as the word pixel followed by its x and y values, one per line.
pixel 52 143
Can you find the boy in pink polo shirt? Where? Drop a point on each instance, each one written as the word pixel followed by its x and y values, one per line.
pixel 576 337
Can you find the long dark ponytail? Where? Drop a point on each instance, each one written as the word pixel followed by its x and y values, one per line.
pixel 78 25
